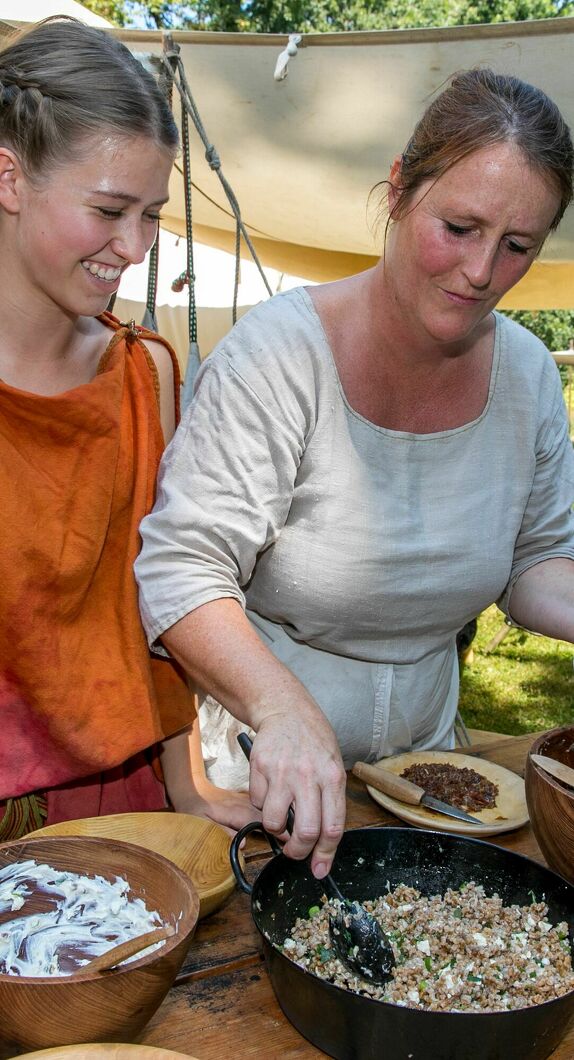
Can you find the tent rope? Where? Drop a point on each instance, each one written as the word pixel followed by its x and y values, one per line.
pixel 172 59
pixel 150 319
pixel 192 310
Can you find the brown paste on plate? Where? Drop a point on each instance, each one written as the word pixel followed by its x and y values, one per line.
pixel 460 787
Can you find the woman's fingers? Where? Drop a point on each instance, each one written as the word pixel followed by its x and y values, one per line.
pixel 307 774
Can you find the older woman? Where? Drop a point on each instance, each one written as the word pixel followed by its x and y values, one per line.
pixel 370 463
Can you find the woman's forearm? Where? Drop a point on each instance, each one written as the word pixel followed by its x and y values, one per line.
pixel 190 791
pixel 295 758
pixel 543 599
pixel 218 647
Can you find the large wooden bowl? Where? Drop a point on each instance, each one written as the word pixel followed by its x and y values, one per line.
pixel 198 846
pixel 551 803
pixel 114 1006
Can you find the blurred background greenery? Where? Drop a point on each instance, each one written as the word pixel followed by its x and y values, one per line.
pixel 526 684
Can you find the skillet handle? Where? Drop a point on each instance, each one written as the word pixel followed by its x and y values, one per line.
pixel 253 826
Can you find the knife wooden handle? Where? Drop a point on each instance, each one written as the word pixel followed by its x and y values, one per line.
pixel 389 783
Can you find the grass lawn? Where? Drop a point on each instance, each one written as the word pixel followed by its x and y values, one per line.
pixel 525 685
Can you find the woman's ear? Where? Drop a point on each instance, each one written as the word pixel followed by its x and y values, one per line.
pixel 10 180
pixel 394 192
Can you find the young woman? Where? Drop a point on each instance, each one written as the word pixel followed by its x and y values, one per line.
pixel 87 718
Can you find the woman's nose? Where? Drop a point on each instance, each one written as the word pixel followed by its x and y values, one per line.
pixel 133 242
pixel 479 264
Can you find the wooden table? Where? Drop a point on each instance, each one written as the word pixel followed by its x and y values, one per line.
pixel 223 1006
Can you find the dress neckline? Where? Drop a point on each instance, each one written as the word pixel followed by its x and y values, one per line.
pixel 104 364
pixel 309 307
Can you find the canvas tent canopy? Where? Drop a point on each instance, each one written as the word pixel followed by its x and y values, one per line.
pixel 303 154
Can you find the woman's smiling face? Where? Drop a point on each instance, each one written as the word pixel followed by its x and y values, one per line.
pixel 466 238
pixel 82 224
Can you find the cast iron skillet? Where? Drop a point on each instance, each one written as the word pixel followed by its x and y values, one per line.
pixel 351 1026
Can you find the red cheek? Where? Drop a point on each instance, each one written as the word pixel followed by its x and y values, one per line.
pixel 436 256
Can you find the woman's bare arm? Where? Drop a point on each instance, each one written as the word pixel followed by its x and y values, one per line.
pixel 543 599
pixel 295 756
pixel 189 789
pixel 182 763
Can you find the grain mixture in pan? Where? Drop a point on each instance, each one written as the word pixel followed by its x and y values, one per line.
pixel 458 952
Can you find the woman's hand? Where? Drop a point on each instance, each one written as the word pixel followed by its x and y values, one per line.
pixel 189 789
pixel 296 761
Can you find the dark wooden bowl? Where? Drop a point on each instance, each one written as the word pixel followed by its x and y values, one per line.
pixel 551 803
pixel 111 1006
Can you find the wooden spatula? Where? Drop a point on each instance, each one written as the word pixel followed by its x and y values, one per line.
pixel 123 950
pixel 556 769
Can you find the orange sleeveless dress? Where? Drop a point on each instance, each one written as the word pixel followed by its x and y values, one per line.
pixel 80 694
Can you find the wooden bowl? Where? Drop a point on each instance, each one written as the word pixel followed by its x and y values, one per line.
pixel 198 846
pixel 114 1006
pixel 551 803
pixel 107 1052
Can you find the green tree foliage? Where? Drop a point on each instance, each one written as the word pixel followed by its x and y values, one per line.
pixel 555 327
pixel 320 16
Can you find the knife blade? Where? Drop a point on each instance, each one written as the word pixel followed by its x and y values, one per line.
pixel 405 791
pixel 557 769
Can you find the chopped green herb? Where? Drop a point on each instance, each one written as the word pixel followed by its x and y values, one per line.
pixel 428 963
pixel 313 910
pixel 475 978
pixel 457 913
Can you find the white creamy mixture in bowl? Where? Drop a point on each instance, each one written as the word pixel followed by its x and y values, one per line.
pixel 84 917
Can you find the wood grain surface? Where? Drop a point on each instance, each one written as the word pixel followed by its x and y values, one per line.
pixel 551 803
pixel 509 812
pixel 106 1051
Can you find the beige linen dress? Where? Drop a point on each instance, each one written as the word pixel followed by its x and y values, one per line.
pixel 358 551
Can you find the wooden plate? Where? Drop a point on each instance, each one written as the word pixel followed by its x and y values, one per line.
pixel 199 847
pixel 510 811
pixel 106 1051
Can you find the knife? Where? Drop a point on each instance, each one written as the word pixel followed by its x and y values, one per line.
pixel 558 769
pixel 405 791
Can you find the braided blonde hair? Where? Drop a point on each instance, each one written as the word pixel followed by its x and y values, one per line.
pixel 62 81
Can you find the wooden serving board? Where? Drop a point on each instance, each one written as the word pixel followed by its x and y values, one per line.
pixel 197 846
pixel 106 1051
pixel 510 811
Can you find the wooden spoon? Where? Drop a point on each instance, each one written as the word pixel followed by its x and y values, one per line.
pixel 108 960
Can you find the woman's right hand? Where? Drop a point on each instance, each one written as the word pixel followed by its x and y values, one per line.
pixel 295 757
pixel 296 761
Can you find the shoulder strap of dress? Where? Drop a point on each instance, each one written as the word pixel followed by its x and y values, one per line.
pixel 143 335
